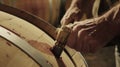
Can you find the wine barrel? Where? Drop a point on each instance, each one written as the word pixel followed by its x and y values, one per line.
pixel 45 9
pixel 11 55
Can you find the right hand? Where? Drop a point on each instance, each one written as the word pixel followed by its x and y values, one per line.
pixel 73 13
pixel 76 10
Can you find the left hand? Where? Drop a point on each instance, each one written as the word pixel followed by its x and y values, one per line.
pixel 90 35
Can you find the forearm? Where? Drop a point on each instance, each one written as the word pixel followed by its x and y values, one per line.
pixel 112 17
pixel 110 22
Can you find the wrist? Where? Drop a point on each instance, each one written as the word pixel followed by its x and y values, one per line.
pixel 112 17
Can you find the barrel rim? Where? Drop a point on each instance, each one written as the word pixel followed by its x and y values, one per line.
pixel 52 35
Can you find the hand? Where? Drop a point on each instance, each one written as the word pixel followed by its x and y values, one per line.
pixel 76 10
pixel 73 13
pixel 90 35
pixel 80 38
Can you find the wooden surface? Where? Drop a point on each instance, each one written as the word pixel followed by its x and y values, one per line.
pixel 36 38
pixel 45 9
pixel 40 23
pixel 10 56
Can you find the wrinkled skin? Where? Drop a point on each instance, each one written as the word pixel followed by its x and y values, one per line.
pixel 92 34
pixel 76 11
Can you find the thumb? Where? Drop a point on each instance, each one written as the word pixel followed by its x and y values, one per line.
pixel 66 20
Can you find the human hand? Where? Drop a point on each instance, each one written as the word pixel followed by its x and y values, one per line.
pixel 72 13
pixel 80 38
pixel 90 35
pixel 76 11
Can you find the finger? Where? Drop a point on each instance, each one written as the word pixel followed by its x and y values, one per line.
pixel 73 36
pixel 73 14
pixel 71 39
pixel 66 21
pixel 85 42
pixel 80 41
